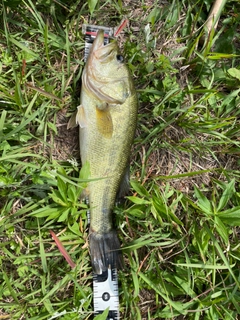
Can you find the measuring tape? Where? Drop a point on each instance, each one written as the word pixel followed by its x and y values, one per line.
pixel 90 32
pixel 105 293
pixel 105 285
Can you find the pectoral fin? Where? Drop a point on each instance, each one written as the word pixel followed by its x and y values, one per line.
pixel 102 106
pixel 80 117
pixel 77 118
pixel 72 121
pixel 104 122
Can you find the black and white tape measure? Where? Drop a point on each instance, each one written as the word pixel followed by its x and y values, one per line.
pixel 105 293
pixel 90 32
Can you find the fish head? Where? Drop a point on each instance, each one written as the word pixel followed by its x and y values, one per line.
pixel 106 76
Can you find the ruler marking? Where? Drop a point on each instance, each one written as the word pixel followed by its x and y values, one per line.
pixel 105 294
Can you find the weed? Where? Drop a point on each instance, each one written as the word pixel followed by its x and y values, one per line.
pixel 179 225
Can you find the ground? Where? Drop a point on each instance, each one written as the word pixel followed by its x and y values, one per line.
pixel 179 224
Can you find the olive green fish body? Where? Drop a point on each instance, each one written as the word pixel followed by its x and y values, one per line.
pixel 107 118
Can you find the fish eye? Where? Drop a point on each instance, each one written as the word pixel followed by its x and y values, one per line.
pixel 120 58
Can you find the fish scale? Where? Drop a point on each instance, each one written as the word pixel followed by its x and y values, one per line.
pixel 115 157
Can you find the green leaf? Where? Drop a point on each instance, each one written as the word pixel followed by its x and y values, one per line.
pixel 204 266
pixel 56 196
pixel 154 15
pixel 57 286
pixel 136 283
pixel 64 215
pixel 138 200
pixel 9 283
pixel 72 193
pixel 139 188
pixel 75 229
pixel 44 212
pixel 92 4
pixel 175 305
pixel 53 127
pixel 2 120
pixel 156 214
pixel 162 208
pixel 154 240
pixel 62 187
pixel 24 48
pixel 102 316
pixel 85 171
pixel 234 72
pixel 222 255
pixel 42 251
pixel 203 202
pixel 227 194
pixel 221 229
pixel 135 212
pixel 231 216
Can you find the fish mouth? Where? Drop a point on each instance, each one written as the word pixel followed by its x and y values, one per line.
pixel 100 50
pixel 92 78
pixel 99 40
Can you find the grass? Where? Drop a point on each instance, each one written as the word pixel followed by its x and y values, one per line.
pixel 179 226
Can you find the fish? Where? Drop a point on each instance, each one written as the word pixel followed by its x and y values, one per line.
pixel 107 117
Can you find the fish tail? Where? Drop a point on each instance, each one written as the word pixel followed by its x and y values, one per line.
pixel 104 251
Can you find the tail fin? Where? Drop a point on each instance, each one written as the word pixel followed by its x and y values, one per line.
pixel 104 251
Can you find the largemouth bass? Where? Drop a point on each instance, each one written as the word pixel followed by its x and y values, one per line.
pixel 107 118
